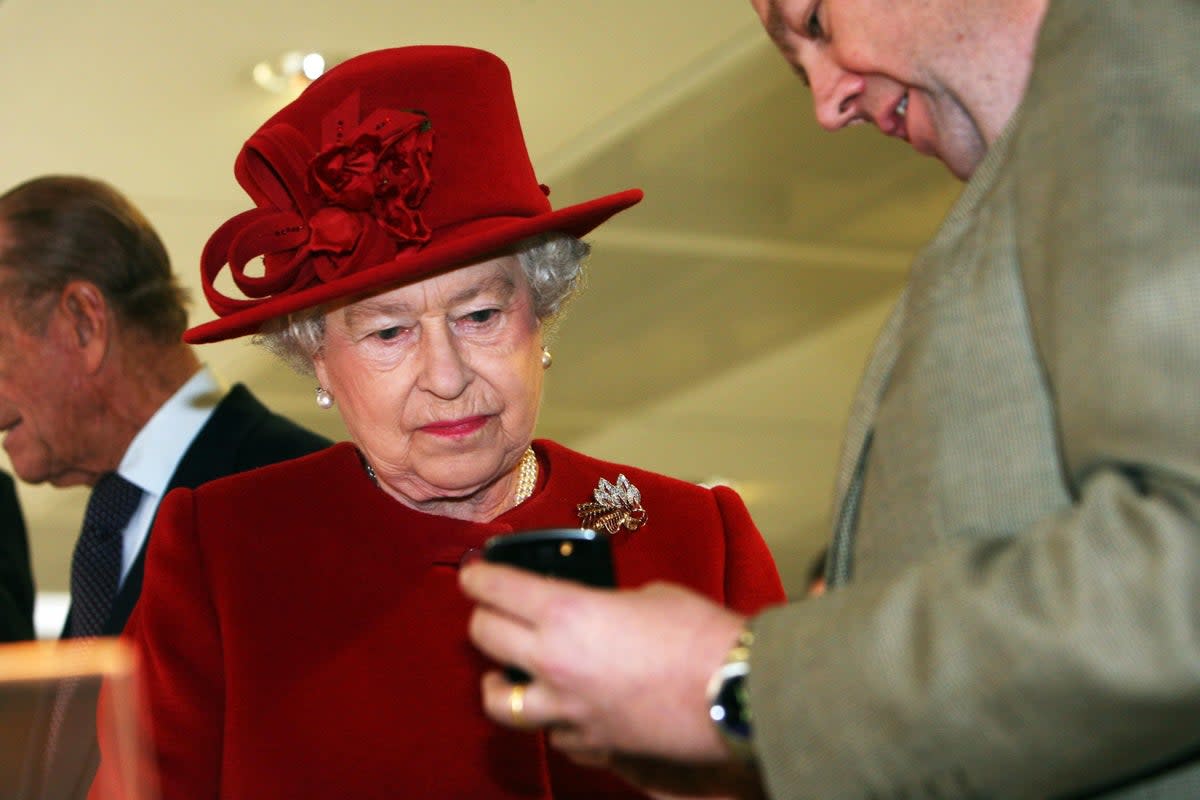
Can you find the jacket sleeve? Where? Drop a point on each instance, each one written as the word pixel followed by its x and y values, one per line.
pixel 752 580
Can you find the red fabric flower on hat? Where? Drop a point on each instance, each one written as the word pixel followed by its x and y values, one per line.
pixel 382 172
pixel 345 174
pixel 352 204
pixel 333 230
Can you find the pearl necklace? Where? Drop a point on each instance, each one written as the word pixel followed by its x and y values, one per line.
pixel 526 479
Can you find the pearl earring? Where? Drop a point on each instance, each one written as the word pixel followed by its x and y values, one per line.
pixel 324 399
pixel 547 359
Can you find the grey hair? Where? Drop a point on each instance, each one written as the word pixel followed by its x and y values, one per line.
pixel 553 265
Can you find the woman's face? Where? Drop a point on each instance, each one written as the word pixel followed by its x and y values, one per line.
pixel 439 383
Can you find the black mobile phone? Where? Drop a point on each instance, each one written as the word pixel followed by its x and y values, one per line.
pixel 575 554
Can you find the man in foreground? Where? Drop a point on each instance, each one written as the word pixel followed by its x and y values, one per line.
pixel 1013 602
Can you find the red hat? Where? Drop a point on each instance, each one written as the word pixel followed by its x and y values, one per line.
pixel 393 166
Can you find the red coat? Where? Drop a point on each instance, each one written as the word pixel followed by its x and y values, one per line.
pixel 303 635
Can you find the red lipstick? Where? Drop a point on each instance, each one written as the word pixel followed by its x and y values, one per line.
pixel 456 427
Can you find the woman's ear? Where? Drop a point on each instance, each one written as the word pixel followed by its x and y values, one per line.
pixel 318 362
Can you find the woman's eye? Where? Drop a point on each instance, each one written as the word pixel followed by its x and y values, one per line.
pixel 387 334
pixel 481 316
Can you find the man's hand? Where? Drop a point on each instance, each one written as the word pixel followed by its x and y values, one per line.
pixel 614 671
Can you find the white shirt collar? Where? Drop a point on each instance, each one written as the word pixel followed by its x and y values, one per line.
pixel 155 452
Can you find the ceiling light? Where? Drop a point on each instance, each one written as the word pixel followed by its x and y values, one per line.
pixel 290 72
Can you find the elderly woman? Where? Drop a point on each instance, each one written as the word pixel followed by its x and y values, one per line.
pixel 300 628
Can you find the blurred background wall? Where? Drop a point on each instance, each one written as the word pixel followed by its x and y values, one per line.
pixel 726 318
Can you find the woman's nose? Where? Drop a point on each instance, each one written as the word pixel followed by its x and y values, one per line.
pixel 444 371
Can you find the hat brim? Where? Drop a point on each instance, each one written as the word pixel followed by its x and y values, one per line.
pixel 472 242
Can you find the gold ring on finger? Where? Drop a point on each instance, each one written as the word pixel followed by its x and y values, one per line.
pixel 516 704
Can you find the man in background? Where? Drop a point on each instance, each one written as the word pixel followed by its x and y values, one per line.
pixel 1014 607
pixel 94 376
pixel 97 388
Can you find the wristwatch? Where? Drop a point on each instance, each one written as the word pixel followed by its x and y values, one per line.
pixel 729 701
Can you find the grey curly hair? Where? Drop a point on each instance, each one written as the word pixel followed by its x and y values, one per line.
pixel 553 265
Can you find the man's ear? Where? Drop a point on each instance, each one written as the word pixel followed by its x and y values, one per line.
pixel 85 312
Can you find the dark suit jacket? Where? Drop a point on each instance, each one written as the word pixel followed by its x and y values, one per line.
pixel 241 434
pixel 16 574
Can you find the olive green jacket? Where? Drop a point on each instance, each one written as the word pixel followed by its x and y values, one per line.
pixel 1017 525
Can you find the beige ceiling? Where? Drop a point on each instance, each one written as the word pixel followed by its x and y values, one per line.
pixel 726 318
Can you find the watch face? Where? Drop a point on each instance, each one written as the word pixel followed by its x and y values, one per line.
pixel 731 706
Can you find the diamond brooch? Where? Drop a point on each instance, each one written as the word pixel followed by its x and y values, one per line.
pixel 616 506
